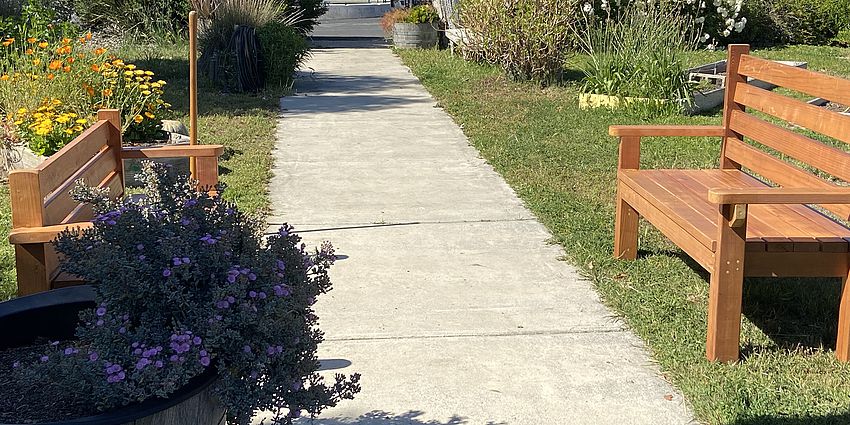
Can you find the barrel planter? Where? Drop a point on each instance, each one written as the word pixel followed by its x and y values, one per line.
pixel 54 315
pixel 413 36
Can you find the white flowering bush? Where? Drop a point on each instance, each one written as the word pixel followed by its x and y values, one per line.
pixel 716 20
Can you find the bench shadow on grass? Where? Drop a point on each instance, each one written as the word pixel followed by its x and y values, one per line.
pixel 833 419
pixel 795 313
pixel 379 417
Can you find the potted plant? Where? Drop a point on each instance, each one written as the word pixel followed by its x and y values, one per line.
pixel 188 304
pixel 417 29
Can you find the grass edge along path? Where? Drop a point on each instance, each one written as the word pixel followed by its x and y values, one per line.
pixel 562 163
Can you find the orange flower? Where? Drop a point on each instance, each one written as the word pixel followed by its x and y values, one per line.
pixel 95 67
pixel 29 51
pixel 55 64
pixel 70 59
pixel 4 77
pixel 107 92
pixel 43 44
pixel 66 68
pixel 66 40
pixel 89 89
pixel 50 76
pixel 8 41
pixel 88 36
pixel 31 40
pixel 99 51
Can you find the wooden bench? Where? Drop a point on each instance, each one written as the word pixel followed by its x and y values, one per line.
pixel 42 206
pixel 756 214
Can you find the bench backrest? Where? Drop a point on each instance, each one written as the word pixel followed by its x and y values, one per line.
pixel 40 196
pixel 783 153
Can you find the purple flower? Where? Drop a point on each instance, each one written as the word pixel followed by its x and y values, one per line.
pixel 142 257
pixel 142 363
pixel 297 385
pixel 252 294
pixel 281 290
pixel 70 350
pixel 254 374
pixel 271 350
pixel 16 364
pixel 158 364
pixel 196 340
pixel 281 265
pixel 174 358
pixel 185 260
pixel 218 317
pixel 278 349
pixel 246 348
pixel 99 323
pixel 262 295
pixel 134 345
pixel 122 330
pixel 252 277
pixel 231 300
pixel 113 368
pixel 166 272
pixel 184 221
pixel 100 311
pixel 222 304
pixel 44 359
pixel 177 261
pixel 140 247
pixel 93 356
pixel 205 361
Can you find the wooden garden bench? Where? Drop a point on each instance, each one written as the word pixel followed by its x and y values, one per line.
pixel 42 206
pixel 754 216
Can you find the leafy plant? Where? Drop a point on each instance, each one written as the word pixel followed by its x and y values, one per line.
pixel 795 21
pixel 34 19
pixel 186 284
pixel 44 86
pixel 529 39
pixel 134 17
pixel 639 55
pixel 421 15
pixel 284 49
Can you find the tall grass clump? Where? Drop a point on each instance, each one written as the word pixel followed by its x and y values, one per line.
pixel 529 39
pixel 639 54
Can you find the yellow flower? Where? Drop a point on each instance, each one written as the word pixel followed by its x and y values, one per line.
pixel 69 131
pixel 78 128
pixel 150 115
pixel 149 73
pixel 36 62
pixel 138 119
pixel 161 82
pixel 81 121
pixel 138 72
pixel 18 122
pixel 43 44
pixel 128 73
pixel 146 92
pixel 131 67
pixel 62 119
pixel 56 102
pixel 143 86
pixel 66 68
pixel 22 111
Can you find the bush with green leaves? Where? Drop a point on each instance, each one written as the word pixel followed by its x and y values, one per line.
pixel 284 49
pixel 422 15
pixel 36 19
pixel 134 17
pixel 794 21
pixel 529 39
pixel 641 54
pixel 185 283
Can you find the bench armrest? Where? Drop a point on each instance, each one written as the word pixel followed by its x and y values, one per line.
pixel 667 130
pixel 779 195
pixel 43 234
pixel 172 151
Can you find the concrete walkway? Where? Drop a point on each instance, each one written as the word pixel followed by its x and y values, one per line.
pixel 448 298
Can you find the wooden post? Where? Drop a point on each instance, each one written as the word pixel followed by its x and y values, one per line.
pixel 193 88
pixel 729 105
pixel 114 141
pixel 727 284
pixel 842 342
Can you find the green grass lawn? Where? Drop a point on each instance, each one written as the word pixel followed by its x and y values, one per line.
pixel 562 162
pixel 244 123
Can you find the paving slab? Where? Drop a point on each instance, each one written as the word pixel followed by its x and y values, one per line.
pixel 449 297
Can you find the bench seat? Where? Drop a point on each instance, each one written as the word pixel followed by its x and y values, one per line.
pixel 682 198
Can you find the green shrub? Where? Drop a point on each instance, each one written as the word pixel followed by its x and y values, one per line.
pixel 794 21
pixel 529 39
pixel 34 19
pixel 284 49
pixel 640 55
pixel 136 17
pixel 310 11
pixel 421 15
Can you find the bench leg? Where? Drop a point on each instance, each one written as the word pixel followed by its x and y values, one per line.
pixel 625 231
pixel 30 262
pixel 726 291
pixel 842 344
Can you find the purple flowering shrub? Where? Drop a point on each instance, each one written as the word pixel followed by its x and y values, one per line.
pixel 185 284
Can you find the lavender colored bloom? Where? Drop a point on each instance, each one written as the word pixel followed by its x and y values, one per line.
pixel 205 361
pixel 140 247
pixel 270 351
pixel 142 257
pixel 99 323
pixel 174 358
pixel 134 345
pixel 158 364
pixel 281 265
pixel 246 348
pixel 252 277
pixel 218 317
pixel 185 260
pixel 281 290
pixel 122 330
pixel 278 349
pixel 262 295
pixel 44 359
pixel 142 363
pixel 184 221
pixel 196 340
pixel 177 261
pixel 70 350
pixel 222 304
pixel 166 272
pixel 231 300
pixel 93 356
pixel 252 294
pixel 254 375
pixel 231 278
pixel 16 364
pixel 137 351
pixel 100 311
pixel 297 385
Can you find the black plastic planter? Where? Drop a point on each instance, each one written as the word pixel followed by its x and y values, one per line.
pixel 54 315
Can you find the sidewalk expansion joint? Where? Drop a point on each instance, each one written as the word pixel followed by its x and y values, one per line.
pixel 354 226
pixel 477 335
